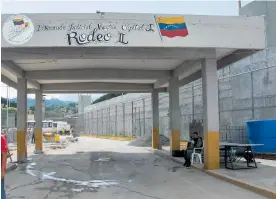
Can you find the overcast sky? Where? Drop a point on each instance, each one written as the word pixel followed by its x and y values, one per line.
pixel 141 6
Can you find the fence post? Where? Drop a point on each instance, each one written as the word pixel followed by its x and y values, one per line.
pixel 102 122
pixel 124 117
pixel 116 115
pixel 140 132
pixel 193 103
pixel 97 120
pixel 135 121
pixel 144 117
pixel 108 126
pixel 110 121
pixel 132 122
pixel 92 122
pixel 252 96
pixel 88 121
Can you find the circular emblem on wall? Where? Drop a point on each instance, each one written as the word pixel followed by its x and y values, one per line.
pixel 18 29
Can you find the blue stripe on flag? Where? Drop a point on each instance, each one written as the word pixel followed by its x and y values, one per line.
pixel 164 26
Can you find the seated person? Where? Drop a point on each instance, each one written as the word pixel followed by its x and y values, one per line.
pixel 196 142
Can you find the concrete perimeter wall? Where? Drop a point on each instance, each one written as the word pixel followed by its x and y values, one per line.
pixel 246 91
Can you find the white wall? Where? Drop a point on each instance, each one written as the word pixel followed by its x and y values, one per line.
pixel 136 30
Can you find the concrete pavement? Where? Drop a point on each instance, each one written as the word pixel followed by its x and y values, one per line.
pixel 111 169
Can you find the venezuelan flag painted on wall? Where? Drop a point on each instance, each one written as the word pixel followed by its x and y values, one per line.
pixel 18 21
pixel 172 26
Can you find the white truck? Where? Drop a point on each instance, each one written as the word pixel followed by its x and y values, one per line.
pixel 47 125
pixel 60 125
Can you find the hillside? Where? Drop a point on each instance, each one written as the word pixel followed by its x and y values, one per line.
pixel 48 102
pixel 54 105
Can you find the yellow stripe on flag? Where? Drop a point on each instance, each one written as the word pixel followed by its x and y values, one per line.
pixel 18 19
pixel 170 20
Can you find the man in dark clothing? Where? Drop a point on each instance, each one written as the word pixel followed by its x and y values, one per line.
pixel 33 135
pixel 196 142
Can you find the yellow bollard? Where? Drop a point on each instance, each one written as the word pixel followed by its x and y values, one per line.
pixel 57 138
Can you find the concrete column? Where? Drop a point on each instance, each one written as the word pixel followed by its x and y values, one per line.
pixel 211 114
pixel 21 119
pixel 38 122
pixel 155 119
pixel 174 113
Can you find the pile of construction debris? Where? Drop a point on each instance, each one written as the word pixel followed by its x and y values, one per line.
pixel 146 141
pixel 63 143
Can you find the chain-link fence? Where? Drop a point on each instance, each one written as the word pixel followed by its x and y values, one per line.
pixel 246 92
pixel 8 118
pixel 129 118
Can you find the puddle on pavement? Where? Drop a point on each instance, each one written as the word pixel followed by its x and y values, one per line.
pixel 78 190
pixel 92 185
pixel 102 160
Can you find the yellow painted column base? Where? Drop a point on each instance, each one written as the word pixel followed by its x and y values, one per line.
pixel 175 140
pixel 211 150
pixel 21 145
pixel 38 140
pixel 155 138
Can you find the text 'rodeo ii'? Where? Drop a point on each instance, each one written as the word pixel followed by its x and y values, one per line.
pixel 104 33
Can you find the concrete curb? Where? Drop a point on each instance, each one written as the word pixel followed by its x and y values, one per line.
pixel 261 191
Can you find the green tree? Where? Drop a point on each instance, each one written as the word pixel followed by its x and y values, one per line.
pixel 4 102
pixel 107 97
pixel 32 108
pixel 9 109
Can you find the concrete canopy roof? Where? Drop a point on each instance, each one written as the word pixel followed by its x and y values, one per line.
pixel 59 56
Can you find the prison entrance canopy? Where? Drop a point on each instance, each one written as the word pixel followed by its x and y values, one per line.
pixel 120 52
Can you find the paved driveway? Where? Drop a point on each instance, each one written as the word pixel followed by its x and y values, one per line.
pixel 96 168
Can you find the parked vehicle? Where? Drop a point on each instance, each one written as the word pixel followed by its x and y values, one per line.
pixel 62 127
pixel 47 126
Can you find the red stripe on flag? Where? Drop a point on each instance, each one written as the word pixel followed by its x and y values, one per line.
pixel 174 33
